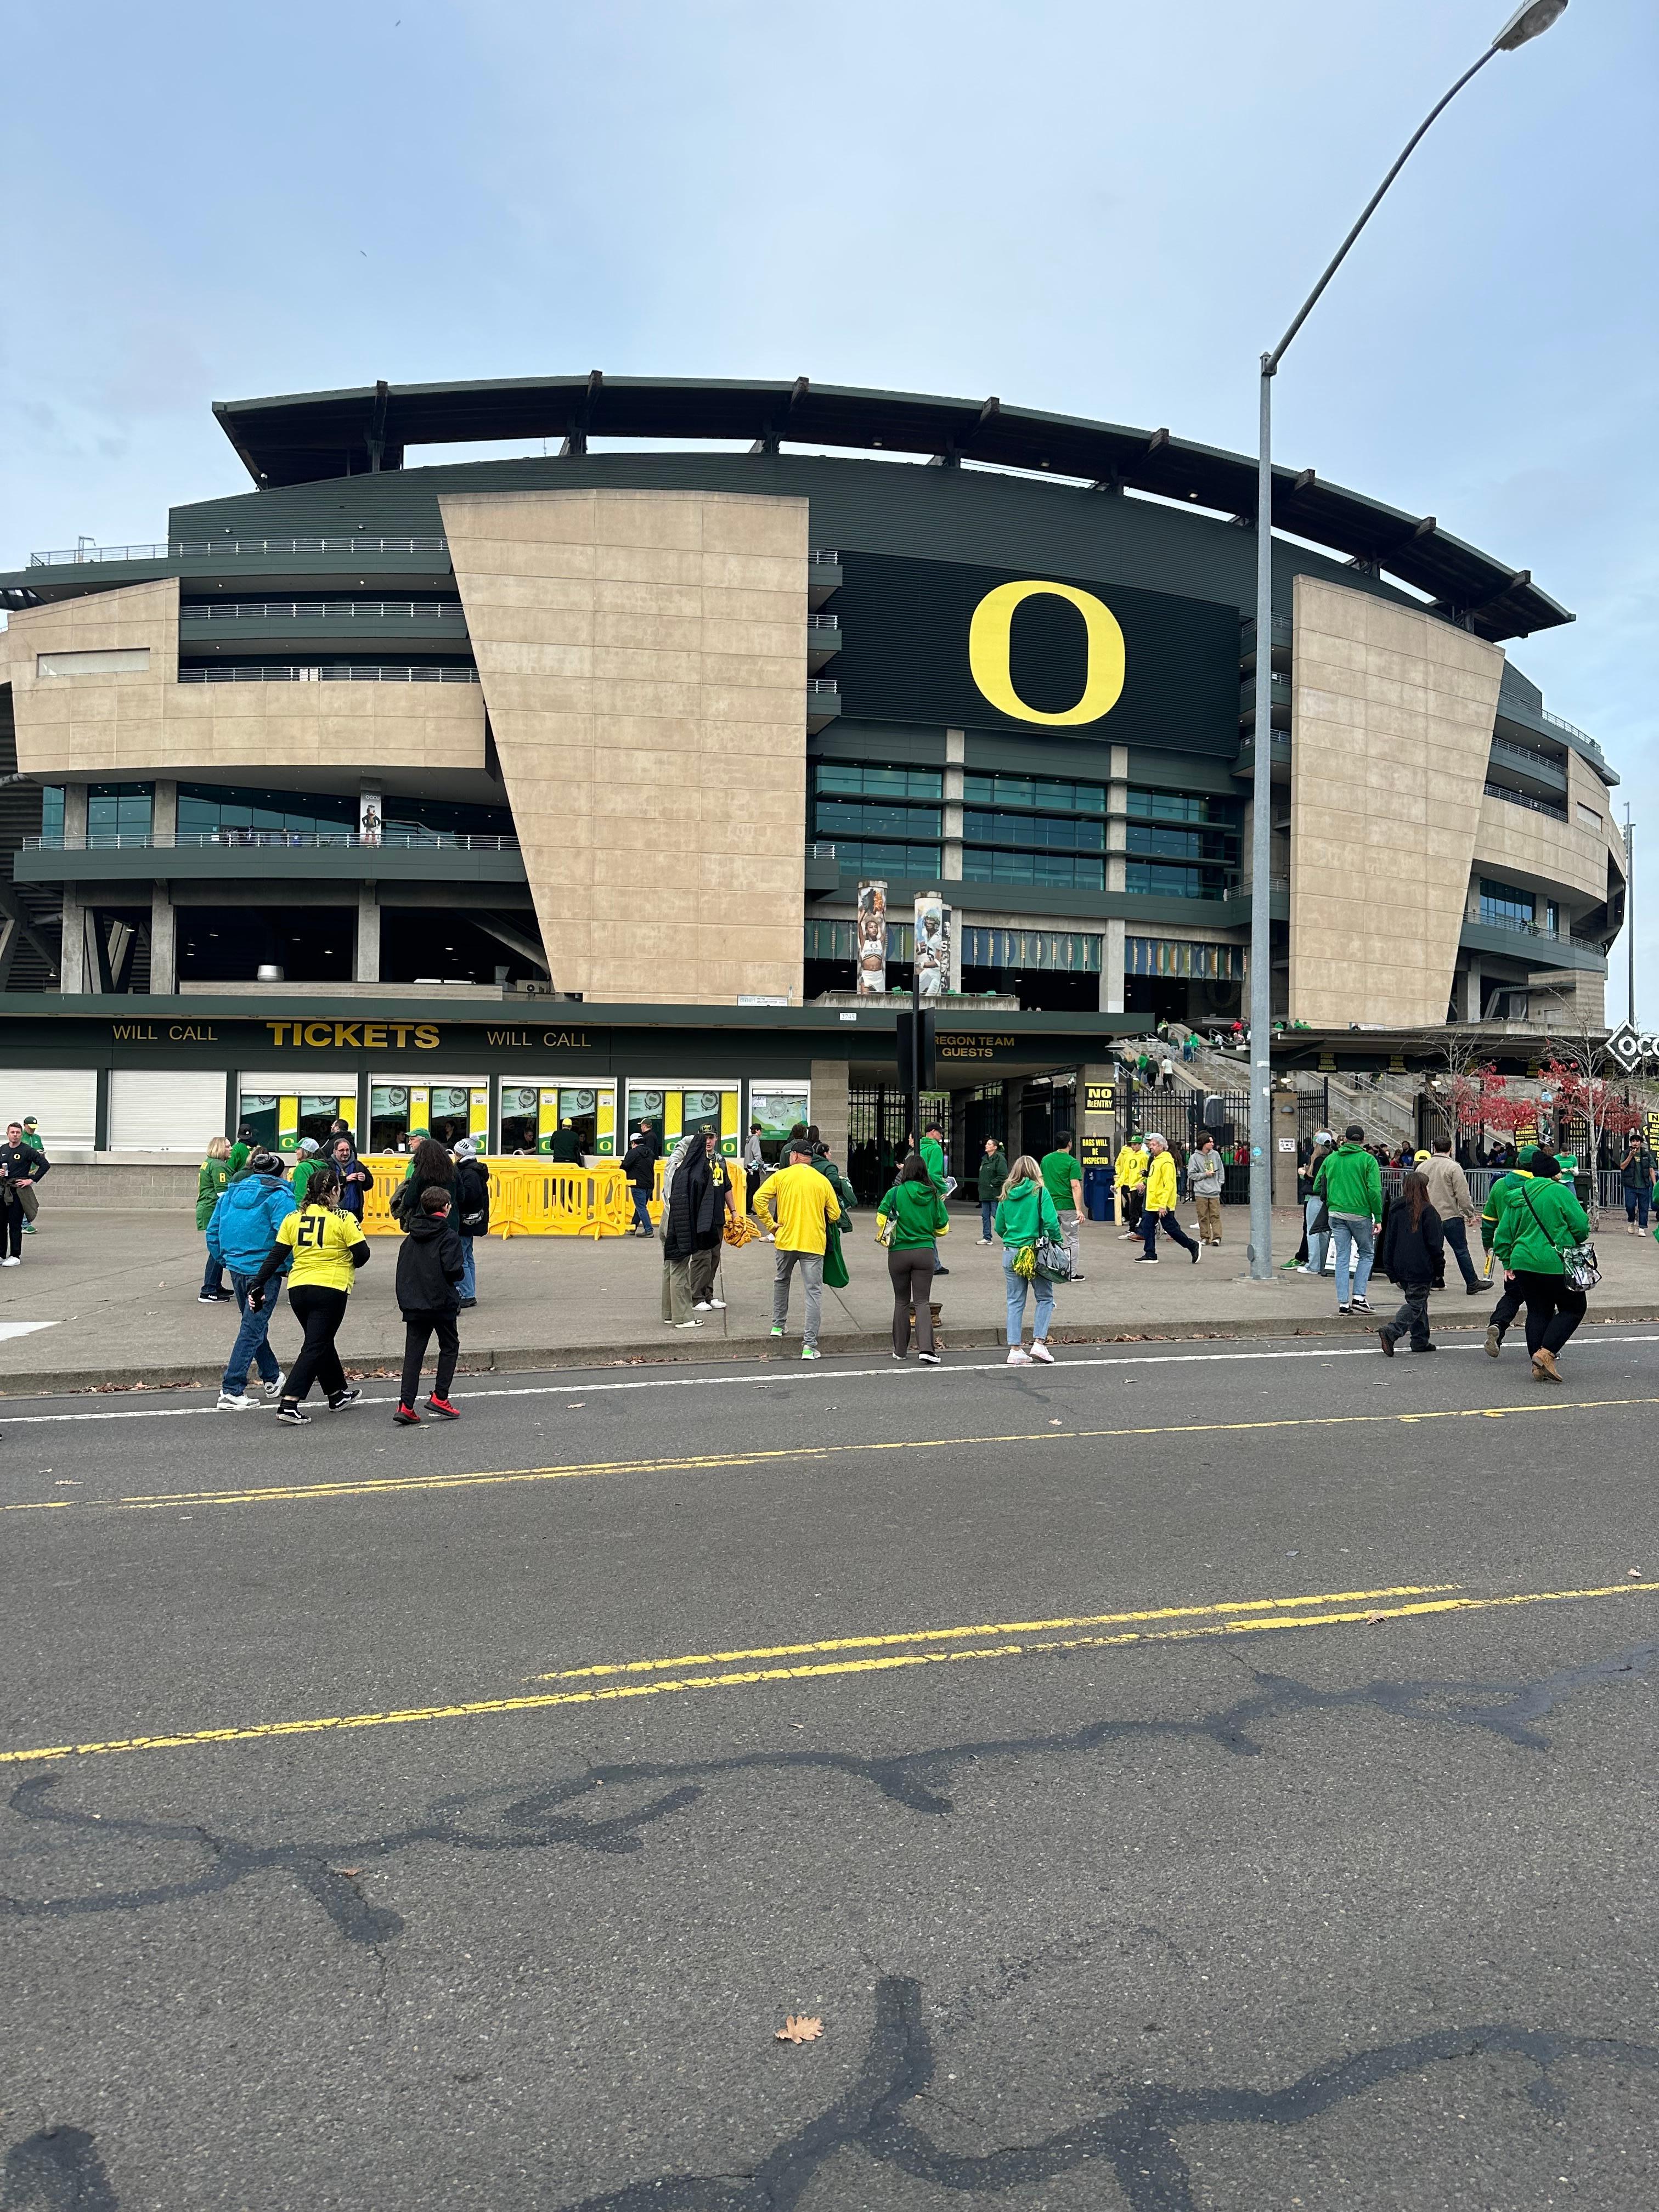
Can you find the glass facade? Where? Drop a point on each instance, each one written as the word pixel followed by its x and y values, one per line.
pixel 1034 791
pixel 1061 871
pixel 851 817
pixel 1168 827
pixel 851 779
pixel 1505 906
pixel 870 859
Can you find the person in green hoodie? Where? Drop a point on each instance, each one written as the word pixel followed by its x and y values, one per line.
pixel 1351 1183
pixel 1503 1316
pixel 1541 1220
pixel 916 1214
pixel 1025 1213
pixel 214 1175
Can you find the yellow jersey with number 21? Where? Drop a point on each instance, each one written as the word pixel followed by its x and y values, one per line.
pixel 321 1241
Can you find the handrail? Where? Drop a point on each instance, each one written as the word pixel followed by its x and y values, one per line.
pixel 826 555
pixel 823 621
pixel 397 836
pixel 822 684
pixel 200 548
pixel 1560 722
pixel 316 610
pixel 339 671
pixel 1527 756
pixel 1526 798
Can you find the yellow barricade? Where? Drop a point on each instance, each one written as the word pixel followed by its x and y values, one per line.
pixel 537 1197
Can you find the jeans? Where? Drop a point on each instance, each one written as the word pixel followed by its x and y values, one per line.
pixel 1017 1286
pixel 1457 1243
pixel 988 1208
pixel 911 1273
pixel 1636 1205
pixel 811 1274
pixel 213 1275
pixel 641 1193
pixel 1149 1224
pixel 418 1329
pixel 469 1282
pixel 1356 1246
pixel 1319 1240
pixel 1413 1316
pixel 319 1312
pixel 1554 1310
pixel 251 1344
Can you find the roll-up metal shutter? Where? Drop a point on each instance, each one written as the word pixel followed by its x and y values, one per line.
pixel 63 1100
pixel 165 1110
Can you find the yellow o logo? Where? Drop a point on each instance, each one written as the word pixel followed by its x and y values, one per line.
pixel 989 637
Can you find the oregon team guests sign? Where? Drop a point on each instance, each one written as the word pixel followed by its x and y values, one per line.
pixel 990 648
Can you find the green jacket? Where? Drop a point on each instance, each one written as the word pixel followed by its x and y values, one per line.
pixel 1504 1188
pixel 214 1175
pixel 1025 1211
pixel 993 1174
pixel 933 1153
pixel 1350 1182
pixel 1540 1218
pixel 238 1158
pixel 303 1171
pixel 917 1213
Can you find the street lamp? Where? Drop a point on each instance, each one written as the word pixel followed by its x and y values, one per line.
pixel 1528 21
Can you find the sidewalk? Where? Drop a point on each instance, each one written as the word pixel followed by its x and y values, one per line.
pixel 118 1291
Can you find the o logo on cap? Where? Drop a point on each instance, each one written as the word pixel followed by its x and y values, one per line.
pixel 989 636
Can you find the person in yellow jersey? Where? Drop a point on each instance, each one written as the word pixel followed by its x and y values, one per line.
pixel 1162 1195
pixel 1129 1171
pixel 328 1246
pixel 798 1203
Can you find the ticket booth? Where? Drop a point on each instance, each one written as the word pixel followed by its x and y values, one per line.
pixel 531 1112
pixel 777 1107
pixel 674 1110
pixel 447 1108
pixel 279 1114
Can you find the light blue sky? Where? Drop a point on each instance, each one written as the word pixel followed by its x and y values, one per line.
pixel 1106 209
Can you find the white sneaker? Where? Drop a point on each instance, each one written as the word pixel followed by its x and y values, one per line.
pixel 10 1262
pixel 275 1389
pixel 229 1402
pixel 717 1305
pixel 1040 1352
pixel 685 1324
pixel 703 1305
pixel 1018 1358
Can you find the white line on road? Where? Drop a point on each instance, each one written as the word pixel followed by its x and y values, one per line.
pixel 10 1329
pixel 782 1373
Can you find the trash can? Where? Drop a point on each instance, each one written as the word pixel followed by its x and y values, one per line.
pixel 1097 1194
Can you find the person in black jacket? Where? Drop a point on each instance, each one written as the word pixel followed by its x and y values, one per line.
pixel 429 1263
pixel 429 1166
pixel 639 1166
pixel 1412 1256
pixel 471 1211
pixel 690 1205
pixel 19 1166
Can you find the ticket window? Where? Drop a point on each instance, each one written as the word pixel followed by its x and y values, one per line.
pixel 280 1117
pixel 399 1114
pixel 777 1107
pixel 671 1111
pixel 533 1114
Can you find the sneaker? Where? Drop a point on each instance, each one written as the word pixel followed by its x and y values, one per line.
pixel 441 1408
pixel 275 1389
pixel 1425 1348
pixel 777 1332
pixel 29 1230
pixel 1494 1341
pixel 207 1298
pixel 1300 1269
pixel 1386 1342
pixel 1198 1253
pixel 1078 1278
pixel 703 1305
pixel 1040 1352
pixel 941 1271
pixel 342 1398
pixel 1472 1290
pixel 811 1351
pixel 1148 1258
pixel 8 1261
pixel 295 1416
pixel 1362 1305
pixel 235 1401
pixel 1342 1309
pixel 928 1358
pixel 407 1418
pixel 983 1240
pixel 463 1303
pixel 685 1324
pixel 1018 1358
pixel 898 1355
pixel 717 1305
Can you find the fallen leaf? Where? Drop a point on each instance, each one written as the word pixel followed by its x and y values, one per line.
pixel 1372 1619
pixel 799 2028
pixel 1635 1573
pixel 348 1871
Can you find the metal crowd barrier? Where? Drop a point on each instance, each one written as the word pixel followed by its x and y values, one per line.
pixel 537 1197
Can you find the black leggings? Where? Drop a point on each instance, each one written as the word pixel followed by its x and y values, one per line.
pixel 911 1273
pixel 319 1313
pixel 1554 1310
pixel 11 1226
pixel 418 1329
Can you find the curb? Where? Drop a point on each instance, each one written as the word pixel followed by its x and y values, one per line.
pixel 540 1358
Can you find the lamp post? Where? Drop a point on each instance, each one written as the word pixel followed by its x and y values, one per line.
pixel 1526 22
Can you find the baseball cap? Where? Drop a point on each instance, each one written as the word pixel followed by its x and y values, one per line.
pixel 308 1145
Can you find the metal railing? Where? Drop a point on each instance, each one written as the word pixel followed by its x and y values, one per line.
pixel 826 555
pixel 1521 928
pixel 399 836
pixel 201 549
pixel 1525 757
pixel 822 684
pixel 344 671
pixel 823 621
pixel 1560 722
pixel 1526 798
pixel 448 610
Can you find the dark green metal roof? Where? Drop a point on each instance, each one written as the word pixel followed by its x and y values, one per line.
pixel 308 437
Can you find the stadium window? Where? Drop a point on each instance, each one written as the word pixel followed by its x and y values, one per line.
pixel 1505 906
pixel 852 780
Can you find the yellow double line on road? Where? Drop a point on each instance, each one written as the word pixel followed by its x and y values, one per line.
pixel 932 1647
pixel 702 1462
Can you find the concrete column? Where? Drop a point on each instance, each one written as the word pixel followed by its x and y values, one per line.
pixel 1117 808
pixel 1013 1104
pixel 830 1083
pixel 1111 965
pixel 956 751
pixel 1470 1008
pixel 163 940
pixel 75 815
pixel 72 961
pixel 164 812
pixel 1284 1127
pixel 366 967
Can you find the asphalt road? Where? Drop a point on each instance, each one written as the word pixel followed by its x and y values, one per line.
pixel 457 1814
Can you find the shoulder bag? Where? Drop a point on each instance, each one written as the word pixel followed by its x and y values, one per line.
pixel 1579 1263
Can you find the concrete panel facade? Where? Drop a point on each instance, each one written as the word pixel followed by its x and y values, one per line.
pixel 1392 715
pixel 644 664
pixel 145 723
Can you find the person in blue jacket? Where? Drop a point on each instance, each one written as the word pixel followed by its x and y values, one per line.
pixel 240 1233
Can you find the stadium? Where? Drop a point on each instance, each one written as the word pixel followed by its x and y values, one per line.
pixel 483 794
